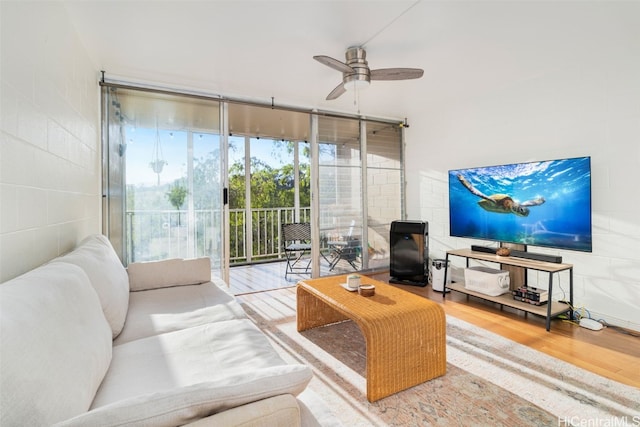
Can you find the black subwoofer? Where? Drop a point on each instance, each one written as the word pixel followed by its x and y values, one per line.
pixel 409 242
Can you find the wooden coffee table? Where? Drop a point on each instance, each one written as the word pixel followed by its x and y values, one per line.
pixel 404 333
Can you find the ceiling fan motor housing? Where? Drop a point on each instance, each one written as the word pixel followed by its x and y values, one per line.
pixel 357 59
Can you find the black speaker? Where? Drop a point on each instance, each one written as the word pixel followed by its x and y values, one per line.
pixel 409 263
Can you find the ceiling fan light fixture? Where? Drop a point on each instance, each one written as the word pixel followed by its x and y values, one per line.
pixel 356 84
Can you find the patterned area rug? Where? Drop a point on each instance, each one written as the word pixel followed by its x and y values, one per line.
pixel 490 381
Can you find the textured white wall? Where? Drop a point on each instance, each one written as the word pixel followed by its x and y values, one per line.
pixel 583 98
pixel 49 140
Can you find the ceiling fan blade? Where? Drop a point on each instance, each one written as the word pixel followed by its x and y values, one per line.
pixel 333 63
pixel 396 73
pixel 339 90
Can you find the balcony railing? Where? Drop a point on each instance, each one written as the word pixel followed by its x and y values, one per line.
pixel 153 235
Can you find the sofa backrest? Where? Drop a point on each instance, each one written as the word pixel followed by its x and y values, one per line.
pixel 55 345
pixel 169 272
pixel 109 278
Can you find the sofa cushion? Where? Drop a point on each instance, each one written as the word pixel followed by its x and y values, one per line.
pixel 182 405
pixel 180 376
pixel 282 410
pixel 56 345
pixel 168 272
pixel 162 310
pixel 109 278
pixel 203 353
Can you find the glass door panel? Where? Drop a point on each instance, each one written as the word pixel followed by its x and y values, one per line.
pixel 170 150
pixel 384 189
pixel 237 200
pixel 271 195
pixel 205 204
pixel 267 197
pixel 340 194
pixel 268 179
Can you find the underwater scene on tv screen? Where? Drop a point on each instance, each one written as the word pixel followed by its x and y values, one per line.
pixel 545 203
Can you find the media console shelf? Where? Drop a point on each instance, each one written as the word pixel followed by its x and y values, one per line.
pixel 549 310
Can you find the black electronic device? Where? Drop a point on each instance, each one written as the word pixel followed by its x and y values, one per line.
pixel 538 257
pixel 485 249
pixel 409 242
pixel 530 295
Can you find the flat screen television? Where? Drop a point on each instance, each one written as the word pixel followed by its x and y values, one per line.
pixel 545 203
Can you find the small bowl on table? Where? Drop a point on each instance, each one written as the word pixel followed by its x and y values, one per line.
pixel 367 290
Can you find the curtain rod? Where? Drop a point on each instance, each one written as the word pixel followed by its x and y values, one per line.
pixel 166 91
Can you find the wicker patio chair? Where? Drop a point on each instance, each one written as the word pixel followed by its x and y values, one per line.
pixel 296 238
pixel 349 252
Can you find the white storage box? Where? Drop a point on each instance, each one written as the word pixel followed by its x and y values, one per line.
pixel 488 281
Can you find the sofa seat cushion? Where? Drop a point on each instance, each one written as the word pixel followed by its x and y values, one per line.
pixel 163 310
pixel 96 257
pixel 56 345
pixel 282 410
pixel 175 378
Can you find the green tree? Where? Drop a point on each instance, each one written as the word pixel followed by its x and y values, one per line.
pixel 206 181
pixel 270 187
pixel 177 195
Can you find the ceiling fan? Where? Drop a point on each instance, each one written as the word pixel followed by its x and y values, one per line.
pixel 356 72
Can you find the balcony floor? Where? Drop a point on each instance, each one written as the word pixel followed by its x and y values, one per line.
pixel 246 279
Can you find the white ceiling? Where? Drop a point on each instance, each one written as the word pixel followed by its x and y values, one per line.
pixel 257 50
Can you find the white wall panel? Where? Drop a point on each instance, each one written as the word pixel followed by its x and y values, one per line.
pixel 583 103
pixel 49 139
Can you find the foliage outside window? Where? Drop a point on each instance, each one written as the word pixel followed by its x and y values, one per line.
pixel 177 194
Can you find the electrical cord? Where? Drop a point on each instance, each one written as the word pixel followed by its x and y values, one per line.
pixel 578 312
pixel 564 293
pixel 577 316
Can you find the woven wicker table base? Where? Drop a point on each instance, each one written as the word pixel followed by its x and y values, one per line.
pixel 404 333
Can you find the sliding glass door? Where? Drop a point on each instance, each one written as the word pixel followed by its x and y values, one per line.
pixel 189 176
pixel 164 180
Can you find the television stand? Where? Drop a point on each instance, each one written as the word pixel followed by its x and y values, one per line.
pixel 550 310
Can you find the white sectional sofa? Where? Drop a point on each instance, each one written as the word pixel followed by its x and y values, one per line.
pixel 84 342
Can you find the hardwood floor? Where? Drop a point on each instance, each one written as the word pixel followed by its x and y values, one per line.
pixel 611 352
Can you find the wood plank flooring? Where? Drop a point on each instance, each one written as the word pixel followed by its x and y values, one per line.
pixel 612 352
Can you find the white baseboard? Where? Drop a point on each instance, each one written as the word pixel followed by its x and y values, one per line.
pixel 610 320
